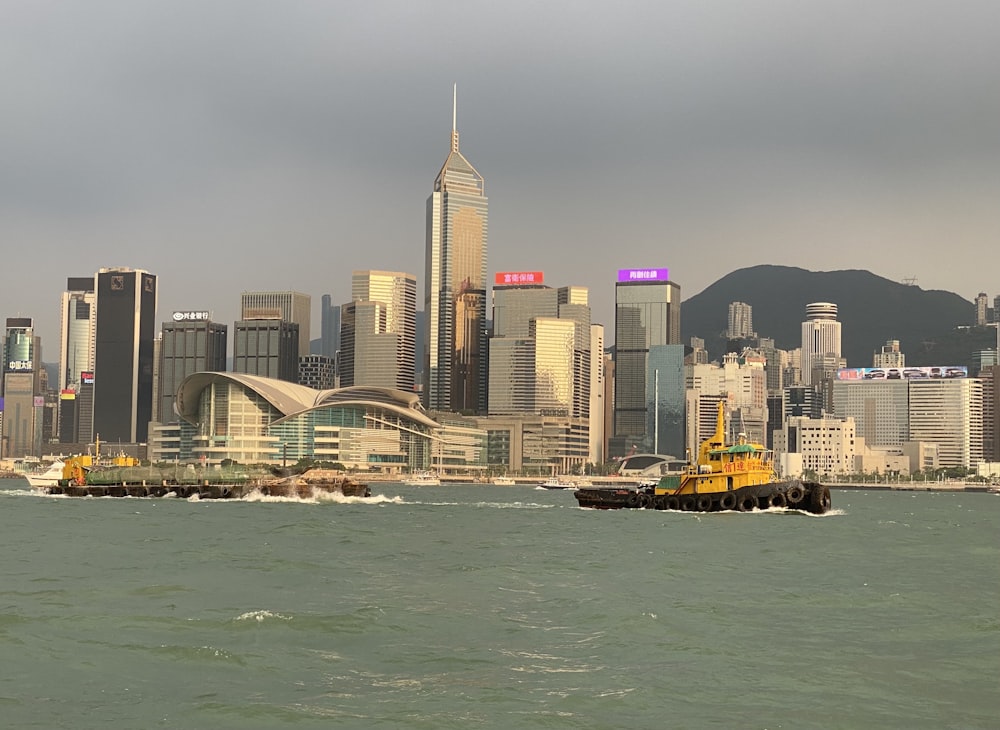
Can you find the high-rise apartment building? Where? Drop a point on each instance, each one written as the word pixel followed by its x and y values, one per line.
pixel 820 343
pixel 647 316
pixel 190 343
pixel 77 330
pixel 740 321
pixel 455 297
pixel 889 356
pixel 982 308
pixel 382 330
pixel 123 354
pixel 288 306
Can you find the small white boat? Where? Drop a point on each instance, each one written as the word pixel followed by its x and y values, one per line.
pixel 48 477
pixel 422 479
pixel 558 483
pixel 504 481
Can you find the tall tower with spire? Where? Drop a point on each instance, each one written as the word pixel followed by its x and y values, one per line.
pixel 455 295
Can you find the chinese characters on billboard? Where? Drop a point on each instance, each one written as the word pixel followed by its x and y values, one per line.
pixel 639 275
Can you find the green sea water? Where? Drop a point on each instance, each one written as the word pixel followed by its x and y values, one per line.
pixel 497 607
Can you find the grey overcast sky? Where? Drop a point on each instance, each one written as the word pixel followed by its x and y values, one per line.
pixel 240 145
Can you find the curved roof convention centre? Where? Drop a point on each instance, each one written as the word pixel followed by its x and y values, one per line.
pixel 292 399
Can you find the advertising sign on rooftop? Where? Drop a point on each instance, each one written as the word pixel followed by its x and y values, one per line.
pixel 910 373
pixel 191 316
pixel 641 275
pixel 514 278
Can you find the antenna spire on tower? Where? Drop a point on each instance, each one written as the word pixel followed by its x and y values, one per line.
pixel 454 119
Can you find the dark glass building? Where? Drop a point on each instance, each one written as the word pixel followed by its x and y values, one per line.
pixel 123 354
pixel 267 347
pixel 191 343
pixel 647 316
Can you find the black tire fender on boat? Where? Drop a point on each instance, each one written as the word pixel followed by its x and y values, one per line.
pixel 795 494
pixel 645 501
pixel 747 503
pixel 703 503
pixel 776 500
pixel 632 500
pixel 673 503
pixel 660 502
pixel 727 501
pixel 819 499
pixel 687 503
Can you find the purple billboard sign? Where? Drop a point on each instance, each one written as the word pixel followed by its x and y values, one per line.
pixel 626 275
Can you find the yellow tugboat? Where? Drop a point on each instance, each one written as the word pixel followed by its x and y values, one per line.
pixel 725 477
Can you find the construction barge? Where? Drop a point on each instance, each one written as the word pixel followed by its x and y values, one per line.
pixel 81 478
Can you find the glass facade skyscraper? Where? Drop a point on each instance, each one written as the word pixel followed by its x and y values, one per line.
pixel 647 315
pixel 123 354
pixel 455 296
pixel 383 351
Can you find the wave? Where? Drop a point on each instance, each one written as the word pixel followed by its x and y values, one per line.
pixel 261 616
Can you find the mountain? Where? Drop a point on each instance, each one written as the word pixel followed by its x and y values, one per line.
pixel 871 310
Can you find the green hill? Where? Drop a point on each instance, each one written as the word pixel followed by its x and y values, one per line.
pixel 872 310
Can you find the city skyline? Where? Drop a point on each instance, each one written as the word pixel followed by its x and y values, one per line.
pixel 825 137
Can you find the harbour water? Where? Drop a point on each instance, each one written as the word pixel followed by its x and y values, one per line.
pixel 497 607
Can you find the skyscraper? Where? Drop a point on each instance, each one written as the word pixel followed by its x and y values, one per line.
pixel 330 324
pixel 191 343
pixel 78 322
pixel 455 295
pixel 21 386
pixel 266 347
pixel 394 295
pixel 123 354
pixel 288 306
pixel 647 316
pixel 820 343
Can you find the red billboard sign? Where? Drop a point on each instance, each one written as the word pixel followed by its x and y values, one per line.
pixel 516 278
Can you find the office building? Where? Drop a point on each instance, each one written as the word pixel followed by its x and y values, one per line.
pixel 647 315
pixel 381 331
pixel 455 297
pixel 22 389
pixel 991 412
pixel 317 372
pixel 190 343
pixel 330 324
pixel 123 354
pixel 546 357
pixel 288 306
pixel 949 412
pixel 820 343
pixel 268 348
pixel 77 330
pixel 880 409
